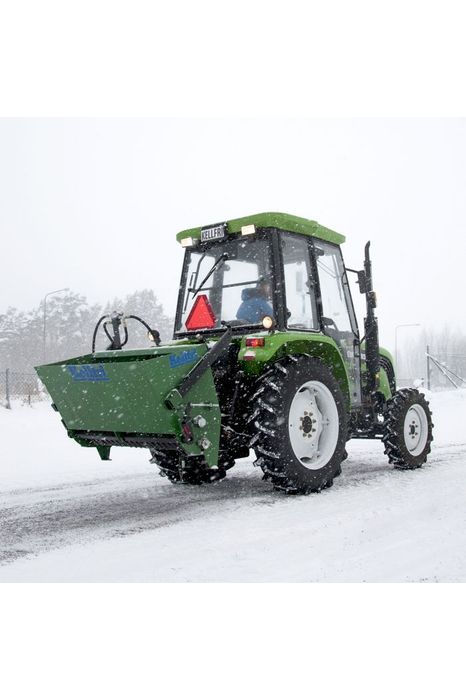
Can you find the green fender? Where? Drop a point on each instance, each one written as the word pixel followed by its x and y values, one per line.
pixel 384 385
pixel 281 344
pixel 384 382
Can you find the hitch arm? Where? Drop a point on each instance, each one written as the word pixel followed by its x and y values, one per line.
pixel 176 396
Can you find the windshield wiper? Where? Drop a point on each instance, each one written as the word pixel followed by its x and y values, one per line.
pixel 216 266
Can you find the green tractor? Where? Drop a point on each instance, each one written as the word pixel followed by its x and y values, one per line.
pixel 266 355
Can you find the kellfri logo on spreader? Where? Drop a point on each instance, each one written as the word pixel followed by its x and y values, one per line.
pixel 88 373
pixel 183 359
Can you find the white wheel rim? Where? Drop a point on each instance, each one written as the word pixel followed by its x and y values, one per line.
pixel 313 425
pixel 415 429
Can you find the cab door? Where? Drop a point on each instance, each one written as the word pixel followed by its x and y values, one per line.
pixel 338 319
pixel 299 281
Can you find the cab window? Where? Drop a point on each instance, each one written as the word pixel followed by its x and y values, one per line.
pixel 336 304
pixel 301 308
pixel 229 281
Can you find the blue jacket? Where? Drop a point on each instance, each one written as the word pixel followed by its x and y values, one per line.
pixel 254 306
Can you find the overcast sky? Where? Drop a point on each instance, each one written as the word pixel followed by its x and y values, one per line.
pixel 94 205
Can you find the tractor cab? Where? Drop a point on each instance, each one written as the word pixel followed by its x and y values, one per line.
pixel 269 272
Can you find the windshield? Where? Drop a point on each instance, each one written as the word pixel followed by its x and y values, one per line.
pixel 229 281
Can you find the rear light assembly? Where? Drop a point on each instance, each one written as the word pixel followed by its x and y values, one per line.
pixel 255 342
pixel 187 432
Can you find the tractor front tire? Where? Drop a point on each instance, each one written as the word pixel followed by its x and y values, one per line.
pixel 299 425
pixel 407 429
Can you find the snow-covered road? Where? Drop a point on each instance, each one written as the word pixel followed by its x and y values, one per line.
pixel 66 516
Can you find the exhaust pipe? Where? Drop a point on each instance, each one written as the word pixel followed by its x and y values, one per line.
pixel 371 326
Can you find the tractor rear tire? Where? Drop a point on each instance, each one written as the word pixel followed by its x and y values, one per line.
pixel 407 430
pixel 195 471
pixel 299 425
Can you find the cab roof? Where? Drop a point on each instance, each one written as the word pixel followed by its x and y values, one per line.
pixel 285 222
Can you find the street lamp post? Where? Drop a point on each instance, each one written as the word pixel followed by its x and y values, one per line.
pixel 402 325
pixel 56 291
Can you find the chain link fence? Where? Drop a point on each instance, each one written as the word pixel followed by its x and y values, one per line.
pixel 15 385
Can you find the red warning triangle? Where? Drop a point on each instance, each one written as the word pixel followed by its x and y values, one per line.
pixel 201 315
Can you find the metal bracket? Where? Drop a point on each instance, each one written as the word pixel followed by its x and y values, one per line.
pixel 104 452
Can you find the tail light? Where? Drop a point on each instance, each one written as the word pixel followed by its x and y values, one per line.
pixel 255 342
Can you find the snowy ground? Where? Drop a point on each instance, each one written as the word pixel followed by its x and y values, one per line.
pixel 67 516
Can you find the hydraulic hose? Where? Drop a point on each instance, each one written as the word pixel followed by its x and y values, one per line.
pixel 105 320
pixel 148 328
pixel 94 336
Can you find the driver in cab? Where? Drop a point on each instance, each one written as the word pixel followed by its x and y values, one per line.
pixel 255 303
